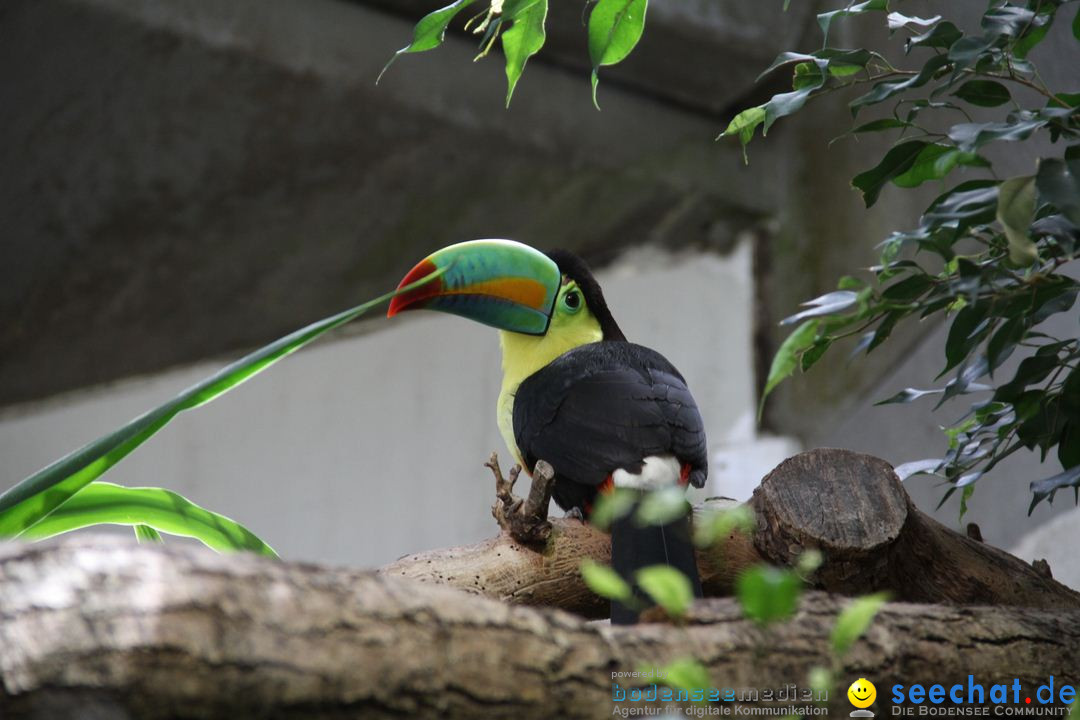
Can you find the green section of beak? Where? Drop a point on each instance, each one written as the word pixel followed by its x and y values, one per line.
pixel 501 283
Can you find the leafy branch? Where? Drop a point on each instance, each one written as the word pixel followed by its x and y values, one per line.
pixel 988 252
pixel 614 29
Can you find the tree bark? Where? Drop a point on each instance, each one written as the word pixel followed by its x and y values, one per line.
pixel 101 627
pixel 850 507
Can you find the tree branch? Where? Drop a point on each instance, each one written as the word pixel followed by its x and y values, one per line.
pixel 104 627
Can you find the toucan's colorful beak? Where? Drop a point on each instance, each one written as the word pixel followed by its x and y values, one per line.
pixel 501 283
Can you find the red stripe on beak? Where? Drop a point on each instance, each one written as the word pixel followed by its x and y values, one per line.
pixel 416 296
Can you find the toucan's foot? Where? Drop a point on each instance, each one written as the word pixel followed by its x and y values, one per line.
pixel 575 513
pixel 524 519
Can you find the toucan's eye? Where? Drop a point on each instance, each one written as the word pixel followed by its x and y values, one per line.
pixel 572 301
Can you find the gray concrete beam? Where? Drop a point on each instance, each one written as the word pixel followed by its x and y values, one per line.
pixel 184 179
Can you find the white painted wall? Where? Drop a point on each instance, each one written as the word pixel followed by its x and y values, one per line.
pixel 371 446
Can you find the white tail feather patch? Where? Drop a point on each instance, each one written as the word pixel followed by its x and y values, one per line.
pixel 657 472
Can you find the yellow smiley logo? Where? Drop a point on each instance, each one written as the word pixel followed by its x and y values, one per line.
pixel 862 693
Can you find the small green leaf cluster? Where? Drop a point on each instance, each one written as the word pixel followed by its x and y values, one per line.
pixel 658 507
pixel 987 252
pixel 614 29
pixel 668 587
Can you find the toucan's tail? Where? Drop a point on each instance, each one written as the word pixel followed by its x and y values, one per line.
pixel 634 547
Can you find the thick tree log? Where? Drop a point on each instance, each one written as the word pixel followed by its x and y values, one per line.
pixel 854 509
pixel 850 507
pixel 101 627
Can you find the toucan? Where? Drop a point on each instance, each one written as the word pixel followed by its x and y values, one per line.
pixel 604 412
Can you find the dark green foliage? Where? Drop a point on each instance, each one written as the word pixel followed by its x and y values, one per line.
pixel 989 250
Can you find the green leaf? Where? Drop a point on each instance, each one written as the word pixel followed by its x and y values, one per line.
pixel 787 357
pixel 660 507
pixel 605 582
pixel 668 587
pixel 806 76
pixel 1058 183
pixel 884 329
pixel 718 525
pixel 611 506
pixel 967 50
pixel 744 124
pixel 1031 370
pixel 942 35
pixel 934 162
pixel 615 27
pixel 1064 100
pixel 1034 34
pixel 827 304
pixel 1011 20
pixel 825 19
pixel 687 674
pixel 896 162
pixel 969 203
pixel 1015 211
pixel 815 353
pixel 101 503
pixel 908 395
pixel 1069 445
pixel 971 136
pixel 897 21
pixel 1045 488
pixel 147 534
pixel 1070 395
pixel 917 467
pixel 967 331
pixel 1004 341
pixel 41 493
pixel 524 38
pixel 908 289
pixel 783 59
pixel 429 32
pixel 885 89
pixel 854 620
pixel 968 484
pixel 785 104
pixel 879 125
pixel 985 93
pixel 820 680
pixel 768 594
pixel 809 561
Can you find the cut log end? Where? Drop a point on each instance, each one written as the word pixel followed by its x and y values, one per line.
pixel 849 506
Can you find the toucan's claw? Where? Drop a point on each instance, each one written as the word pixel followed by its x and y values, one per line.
pixel 574 513
pixel 524 520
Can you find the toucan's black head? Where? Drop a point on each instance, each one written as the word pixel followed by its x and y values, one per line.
pixel 576 269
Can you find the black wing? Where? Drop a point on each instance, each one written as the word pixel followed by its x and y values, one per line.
pixel 605 406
